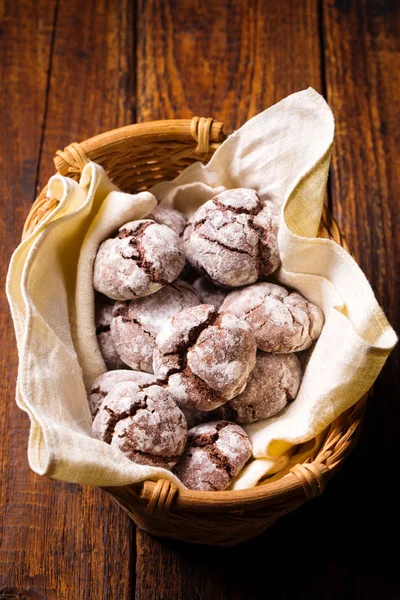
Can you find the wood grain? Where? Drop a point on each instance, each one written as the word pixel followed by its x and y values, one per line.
pixel 69 76
pixel 70 70
pixel 362 60
pixel 229 61
pixel 91 87
pixel 26 31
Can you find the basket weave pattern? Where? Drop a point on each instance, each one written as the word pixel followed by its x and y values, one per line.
pixel 135 158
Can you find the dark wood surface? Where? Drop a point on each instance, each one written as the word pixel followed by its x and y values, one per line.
pixel 72 69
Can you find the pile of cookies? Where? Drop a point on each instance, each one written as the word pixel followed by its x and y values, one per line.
pixel 196 342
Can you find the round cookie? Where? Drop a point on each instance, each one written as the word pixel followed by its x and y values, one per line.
pixel 170 217
pixel 233 238
pixel 103 315
pixel 281 321
pixel 205 357
pixel 273 382
pixel 208 292
pixel 215 453
pixel 136 323
pixel 104 384
pixel 145 424
pixel 142 258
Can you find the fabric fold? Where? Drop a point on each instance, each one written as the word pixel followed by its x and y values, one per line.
pixel 283 153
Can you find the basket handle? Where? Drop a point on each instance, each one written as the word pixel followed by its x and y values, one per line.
pixel 205 131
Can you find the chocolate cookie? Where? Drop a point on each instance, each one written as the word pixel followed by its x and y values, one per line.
pixel 144 423
pixel 208 292
pixel 215 453
pixel 206 357
pixel 281 321
pixel 136 323
pixel 142 258
pixel 104 384
pixel 103 315
pixel 273 382
pixel 170 217
pixel 233 238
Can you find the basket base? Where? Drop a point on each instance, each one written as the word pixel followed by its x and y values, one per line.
pixel 208 529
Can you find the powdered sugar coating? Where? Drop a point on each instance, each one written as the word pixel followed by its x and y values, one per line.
pixel 281 321
pixel 273 382
pixel 145 424
pixel 104 384
pixel 181 330
pixel 170 217
pixel 214 454
pixel 205 357
pixel 136 323
pixel 103 316
pixel 233 238
pixel 208 292
pixel 143 257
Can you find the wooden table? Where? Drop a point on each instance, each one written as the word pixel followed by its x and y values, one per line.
pixel 71 69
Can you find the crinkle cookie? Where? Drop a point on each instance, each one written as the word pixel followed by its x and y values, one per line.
pixel 281 321
pixel 208 292
pixel 103 315
pixel 233 238
pixel 170 217
pixel 136 323
pixel 104 384
pixel 214 454
pixel 205 357
pixel 145 424
pixel 142 258
pixel 273 382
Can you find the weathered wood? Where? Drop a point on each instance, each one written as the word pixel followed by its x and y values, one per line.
pixel 229 61
pixel 224 60
pixel 92 75
pixel 67 68
pixel 362 59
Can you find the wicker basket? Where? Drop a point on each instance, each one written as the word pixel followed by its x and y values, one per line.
pixel 135 158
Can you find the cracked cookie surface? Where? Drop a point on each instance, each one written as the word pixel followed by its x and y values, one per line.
pixel 142 258
pixel 274 382
pixel 204 356
pixel 215 453
pixel 281 321
pixel 144 423
pixel 103 385
pixel 136 323
pixel 233 238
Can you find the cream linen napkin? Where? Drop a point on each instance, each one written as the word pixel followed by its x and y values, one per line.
pixel 41 284
pixel 284 154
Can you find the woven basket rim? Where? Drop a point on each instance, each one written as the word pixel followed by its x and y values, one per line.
pixel 306 481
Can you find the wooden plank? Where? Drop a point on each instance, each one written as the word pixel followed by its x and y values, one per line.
pixel 25 33
pixel 228 60
pixel 92 75
pixel 362 58
pixel 57 540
